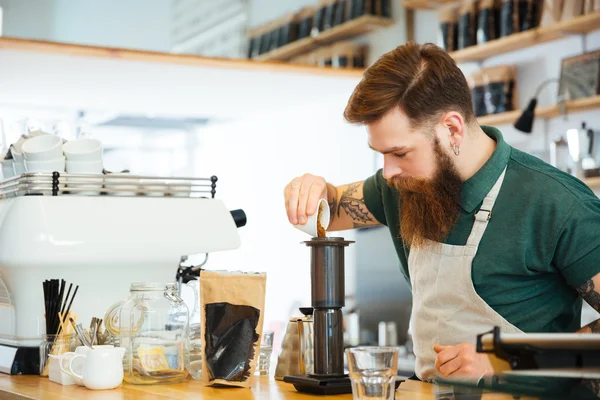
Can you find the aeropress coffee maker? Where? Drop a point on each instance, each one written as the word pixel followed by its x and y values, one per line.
pixel 327 296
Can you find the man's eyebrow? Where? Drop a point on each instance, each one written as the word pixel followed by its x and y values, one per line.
pixel 389 150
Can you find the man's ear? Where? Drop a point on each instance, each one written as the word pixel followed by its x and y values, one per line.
pixel 454 127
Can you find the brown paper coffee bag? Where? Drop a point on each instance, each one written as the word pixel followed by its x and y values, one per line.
pixel 231 322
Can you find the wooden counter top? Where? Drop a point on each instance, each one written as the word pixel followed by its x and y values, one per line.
pixel 264 388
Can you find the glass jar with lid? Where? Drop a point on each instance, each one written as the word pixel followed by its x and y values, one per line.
pixel 152 324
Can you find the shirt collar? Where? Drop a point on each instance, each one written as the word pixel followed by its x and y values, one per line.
pixel 478 186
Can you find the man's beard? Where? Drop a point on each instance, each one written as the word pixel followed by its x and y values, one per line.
pixel 429 208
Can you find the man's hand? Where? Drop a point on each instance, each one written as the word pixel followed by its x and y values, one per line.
pixel 462 361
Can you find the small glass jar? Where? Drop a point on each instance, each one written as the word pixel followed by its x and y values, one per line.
pixel 56 345
pixel 153 326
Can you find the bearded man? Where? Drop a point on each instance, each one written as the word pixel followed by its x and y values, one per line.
pixel 486 235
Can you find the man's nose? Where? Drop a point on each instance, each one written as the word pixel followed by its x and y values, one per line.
pixel 390 170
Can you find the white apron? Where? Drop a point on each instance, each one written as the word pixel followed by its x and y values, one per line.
pixel 446 309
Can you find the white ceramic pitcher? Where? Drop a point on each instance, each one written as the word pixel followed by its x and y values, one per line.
pixel 102 369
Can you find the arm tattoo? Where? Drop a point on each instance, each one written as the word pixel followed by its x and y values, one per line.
pixel 592 384
pixel 354 207
pixel 589 294
pixel 333 206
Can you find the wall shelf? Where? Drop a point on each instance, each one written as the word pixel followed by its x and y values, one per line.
pixel 347 30
pixel 579 105
pixel 288 51
pixel 41 46
pixel 578 25
pixel 425 4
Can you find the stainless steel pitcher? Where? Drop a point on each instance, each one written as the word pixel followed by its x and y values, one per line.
pixel 297 348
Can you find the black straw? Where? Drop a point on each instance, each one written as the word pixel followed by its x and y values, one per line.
pixel 55 301
pixel 71 302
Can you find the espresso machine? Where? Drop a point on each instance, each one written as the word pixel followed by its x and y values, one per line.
pixel 327 297
pixel 102 242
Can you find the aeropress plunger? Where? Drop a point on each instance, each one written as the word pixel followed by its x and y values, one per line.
pixel 327 296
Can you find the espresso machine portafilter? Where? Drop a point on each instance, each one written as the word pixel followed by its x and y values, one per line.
pixel 327 297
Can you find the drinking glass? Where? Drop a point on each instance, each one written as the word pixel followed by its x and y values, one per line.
pixel 373 371
pixel 264 357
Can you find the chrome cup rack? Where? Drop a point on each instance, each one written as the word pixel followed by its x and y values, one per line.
pixel 105 184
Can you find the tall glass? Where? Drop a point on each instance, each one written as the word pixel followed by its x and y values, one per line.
pixel 373 372
pixel 264 357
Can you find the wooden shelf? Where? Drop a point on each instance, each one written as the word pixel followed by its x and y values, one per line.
pixel 353 28
pixel 347 30
pixel 425 4
pixel 18 44
pixel 593 183
pixel 517 41
pixel 290 50
pixel 579 105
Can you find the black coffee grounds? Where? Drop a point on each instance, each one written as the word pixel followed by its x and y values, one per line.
pixel 230 336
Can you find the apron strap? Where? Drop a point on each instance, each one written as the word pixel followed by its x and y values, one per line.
pixel 483 216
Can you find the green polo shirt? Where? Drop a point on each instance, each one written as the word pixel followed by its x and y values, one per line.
pixel 542 241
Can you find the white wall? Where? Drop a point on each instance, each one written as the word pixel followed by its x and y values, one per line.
pixel 254 160
pixel 135 24
pixel 28 18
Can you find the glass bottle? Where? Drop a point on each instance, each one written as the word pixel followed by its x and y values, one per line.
pixel 153 326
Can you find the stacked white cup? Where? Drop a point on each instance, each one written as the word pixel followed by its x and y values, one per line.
pixel 84 157
pixel 41 154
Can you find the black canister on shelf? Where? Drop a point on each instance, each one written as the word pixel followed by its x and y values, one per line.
pixel 359 60
pixel 467 24
pixel 386 8
pixel 342 61
pixel 536 8
pixel 500 89
pixel 529 14
pixel 340 13
pixel 251 47
pixel 523 15
pixel 448 27
pixel 318 21
pixel 274 39
pixel 285 34
pixel 304 20
pixel 486 21
pixel 509 22
pixel 357 8
pixel 329 14
pixel 477 85
pixel 264 43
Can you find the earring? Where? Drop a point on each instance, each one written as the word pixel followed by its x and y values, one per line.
pixel 456 149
